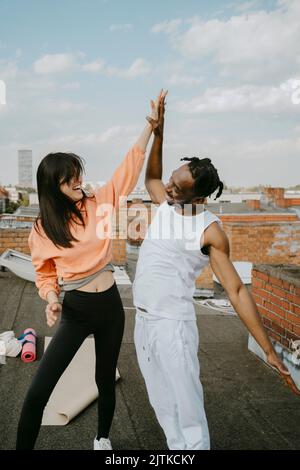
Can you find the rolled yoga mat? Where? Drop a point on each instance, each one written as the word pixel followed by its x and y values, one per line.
pixel 76 388
pixel 28 340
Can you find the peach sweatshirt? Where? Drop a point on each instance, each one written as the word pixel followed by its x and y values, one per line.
pixel 90 253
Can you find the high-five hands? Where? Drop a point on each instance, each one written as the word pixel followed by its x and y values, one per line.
pixel 156 119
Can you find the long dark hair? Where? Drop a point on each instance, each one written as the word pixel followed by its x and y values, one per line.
pixel 57 211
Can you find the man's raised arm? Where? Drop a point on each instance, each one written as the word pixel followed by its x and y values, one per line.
pixel 153 175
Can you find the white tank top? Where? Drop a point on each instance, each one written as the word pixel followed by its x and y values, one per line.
pixel 170 260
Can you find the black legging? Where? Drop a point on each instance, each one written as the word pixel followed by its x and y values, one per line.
pixel 83 313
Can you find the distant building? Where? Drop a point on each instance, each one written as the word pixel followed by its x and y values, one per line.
pixel 139 193
pixel 3 199
pixel 13 194
pixel 33 199
pixel 25 168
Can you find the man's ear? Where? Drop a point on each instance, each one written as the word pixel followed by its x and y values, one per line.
pixel 199 200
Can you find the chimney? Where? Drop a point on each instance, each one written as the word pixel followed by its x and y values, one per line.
pixel 253 204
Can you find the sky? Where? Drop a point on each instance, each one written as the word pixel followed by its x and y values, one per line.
pixel 79 76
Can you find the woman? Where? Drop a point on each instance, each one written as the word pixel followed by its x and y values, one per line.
pixel 68 254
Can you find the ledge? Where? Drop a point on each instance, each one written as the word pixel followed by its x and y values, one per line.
pixel 285 272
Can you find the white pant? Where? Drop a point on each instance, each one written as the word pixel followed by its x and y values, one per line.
pixel 167 356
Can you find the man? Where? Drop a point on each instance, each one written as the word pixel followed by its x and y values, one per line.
pixel 183 238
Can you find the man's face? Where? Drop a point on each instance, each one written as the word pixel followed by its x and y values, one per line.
pixel 180 186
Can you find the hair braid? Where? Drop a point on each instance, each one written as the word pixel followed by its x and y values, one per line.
pixel 206 177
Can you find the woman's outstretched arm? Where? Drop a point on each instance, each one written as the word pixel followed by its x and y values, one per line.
pixel 126 175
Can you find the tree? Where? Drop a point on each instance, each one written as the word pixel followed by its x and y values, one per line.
pixel 25 200
pixel 11 207
pixel 27 189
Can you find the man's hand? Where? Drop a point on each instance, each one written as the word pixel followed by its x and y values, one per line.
pixel 53 310
pixel 277 364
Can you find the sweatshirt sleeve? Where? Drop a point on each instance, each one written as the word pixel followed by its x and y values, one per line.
pixel 45 270
pixel 125 177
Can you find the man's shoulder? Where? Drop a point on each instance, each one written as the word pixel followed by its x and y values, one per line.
pixel 215 236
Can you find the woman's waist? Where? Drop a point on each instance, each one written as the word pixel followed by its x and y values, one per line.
pixel 103 281
pixel 68 279
pixel 71 272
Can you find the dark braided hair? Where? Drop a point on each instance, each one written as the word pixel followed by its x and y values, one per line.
pixel 206 177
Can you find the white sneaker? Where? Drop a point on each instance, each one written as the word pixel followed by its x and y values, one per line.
pixel 102 444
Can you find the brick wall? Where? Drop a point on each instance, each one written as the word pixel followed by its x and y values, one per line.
pixel 205 280
pixel 119 252
pixel 19 218
pixel 276 291
pixel 253 204
pixel 257 238
pixel 276 196
pixel 17 239
pixel 273 193
pixel 261 240
pixel 139 218
pixel 273 242
pixel 288 202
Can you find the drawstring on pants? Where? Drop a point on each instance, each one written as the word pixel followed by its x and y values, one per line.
pixel 146 346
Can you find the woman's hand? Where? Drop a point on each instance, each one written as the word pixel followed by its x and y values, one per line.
pixel 277 364
pixel 53 310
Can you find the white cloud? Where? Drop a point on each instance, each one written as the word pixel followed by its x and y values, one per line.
pixel 8 69
pixel 2 93
pixel 138 68
pixel 71 86
pixel 184 80
pixel 94 66
pixel 125 28
pixel 243 98
pixel 106 136
pixel 252 46
pixel 239 160
pixel 271 148
pixel 175 73
pixel 244 6
pixel 88 139
pixel 167 27
pixel 54 63
pixel 33 86
pixel 61 106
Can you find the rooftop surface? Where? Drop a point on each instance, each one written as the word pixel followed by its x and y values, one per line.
pixel 247 404
pixel 243 208
pixel 221 207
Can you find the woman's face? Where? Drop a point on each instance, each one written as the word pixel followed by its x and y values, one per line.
pixel 73 189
